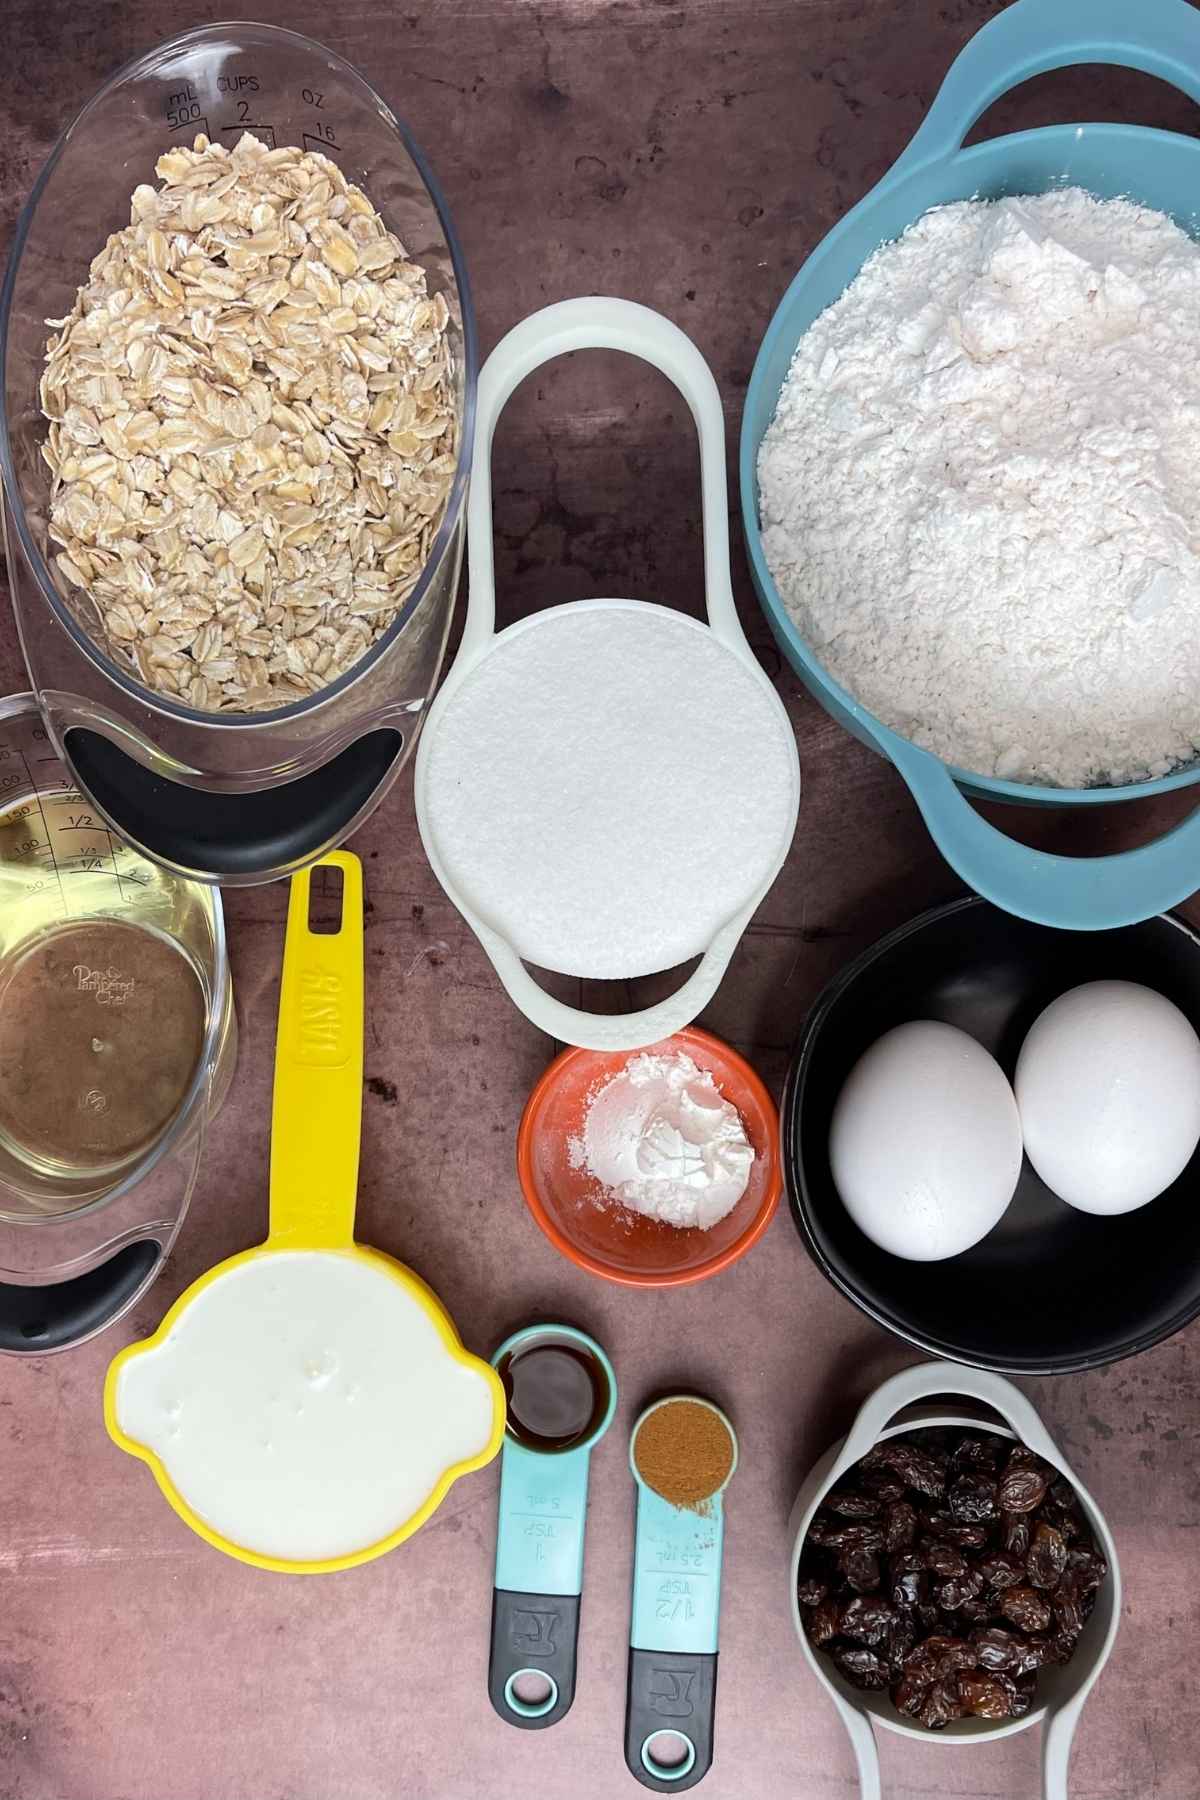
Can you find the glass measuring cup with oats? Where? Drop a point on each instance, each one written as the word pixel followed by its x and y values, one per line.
pixel 238 378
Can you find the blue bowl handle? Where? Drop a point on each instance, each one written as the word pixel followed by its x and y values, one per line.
pixel 1085 893
pixel 1159 37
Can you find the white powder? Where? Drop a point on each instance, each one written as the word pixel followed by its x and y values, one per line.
pixel 660 1137
pixel 979 493
pixel 609 787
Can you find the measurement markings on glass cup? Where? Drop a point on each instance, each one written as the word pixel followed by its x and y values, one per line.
pixel 36 847
pixel 184 110
pixel 229 84
pixel 265 132
pixel 323 135
pixel 98 852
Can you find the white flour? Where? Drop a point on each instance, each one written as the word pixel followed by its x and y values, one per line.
pixel 980 496
pixel 659 1137
pixel 609 787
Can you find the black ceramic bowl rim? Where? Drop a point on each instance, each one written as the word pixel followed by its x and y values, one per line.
pixel 791 1106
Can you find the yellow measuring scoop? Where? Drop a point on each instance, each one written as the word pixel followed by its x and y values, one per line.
pixel 306 1405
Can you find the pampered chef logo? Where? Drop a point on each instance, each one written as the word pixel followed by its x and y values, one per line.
pixel 110 986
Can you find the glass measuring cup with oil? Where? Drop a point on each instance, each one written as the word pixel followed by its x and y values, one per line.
pixel 117 1033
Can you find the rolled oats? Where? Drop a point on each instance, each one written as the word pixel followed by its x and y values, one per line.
pixel 251 428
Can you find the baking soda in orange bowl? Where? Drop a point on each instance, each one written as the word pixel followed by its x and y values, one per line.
pixel 611 1235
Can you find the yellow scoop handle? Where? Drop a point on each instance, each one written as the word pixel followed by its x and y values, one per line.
pixel 316 1114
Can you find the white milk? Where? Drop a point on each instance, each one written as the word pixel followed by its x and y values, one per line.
pixel 304 1405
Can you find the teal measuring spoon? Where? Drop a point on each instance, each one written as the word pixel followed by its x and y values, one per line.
pixel 539 1549
pixel 672 1687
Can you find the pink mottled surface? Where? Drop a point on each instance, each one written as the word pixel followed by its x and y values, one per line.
pixel 687 155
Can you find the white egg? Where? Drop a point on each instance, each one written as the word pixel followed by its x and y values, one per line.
pixel 1108 1087
pixel 925 1142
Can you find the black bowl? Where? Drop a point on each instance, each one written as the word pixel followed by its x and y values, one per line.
pixel 1050 1289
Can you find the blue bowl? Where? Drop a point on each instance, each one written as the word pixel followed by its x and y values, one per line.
pixel 1157 168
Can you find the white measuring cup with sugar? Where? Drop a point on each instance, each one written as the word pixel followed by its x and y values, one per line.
pixel 601 323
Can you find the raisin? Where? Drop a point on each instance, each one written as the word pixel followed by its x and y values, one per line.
pixel 1087 1568
pixel 867 1619
pixel 904 1636
pixel 811 1592
pixel 952 1594
pixel 1047 1556
pixel 1018 1705
pixel 942 1558
pixel 883 1483
pixel 1035 1653
pixel 909 1589
pixel 1062 1496
pixel 1024 1482
pixel 1002 1569
pixel 899 1526
pixel 976 1612
pixel 1068 1609
pixel 823 1622
pixel 922 1659
pixel 1027 1609
pixel 852 1503
pixel 916 1468
pixel 1015 1534
pixel 1022 1695
pixel 973 1498
pixel 942 1705
pixel 997 1648
pixel 942 1656
pixel 842 1537
pixel 1070 1525
pixel 861 1569
pixel 908 1695
pixel 863 1668
pixel 976 1453
pixel 955 1531
pixel 820 1529
pixel 866 1536
pixel 982 1696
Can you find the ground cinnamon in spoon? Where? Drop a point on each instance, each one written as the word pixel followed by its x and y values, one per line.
pixel 684 1451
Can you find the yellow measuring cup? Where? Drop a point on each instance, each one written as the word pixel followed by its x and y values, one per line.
pixel 306 1405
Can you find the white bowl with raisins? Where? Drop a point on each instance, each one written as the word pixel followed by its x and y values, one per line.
pixel 950 1575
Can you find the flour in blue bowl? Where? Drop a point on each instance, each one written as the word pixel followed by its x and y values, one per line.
pixel 979 496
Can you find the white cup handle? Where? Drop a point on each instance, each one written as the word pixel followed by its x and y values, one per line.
pixel 597 323
pixel 614 1031
pixel 926 1379
pixel 861 1733
pixel 1058 1735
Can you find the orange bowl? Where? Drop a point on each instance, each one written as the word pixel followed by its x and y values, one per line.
pixel 597 1232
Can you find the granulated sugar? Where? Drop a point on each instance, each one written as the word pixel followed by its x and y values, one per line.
pixel 979 497
pixel 609 787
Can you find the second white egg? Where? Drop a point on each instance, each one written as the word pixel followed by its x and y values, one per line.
pixel 925 1142
pixel 1108 1086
